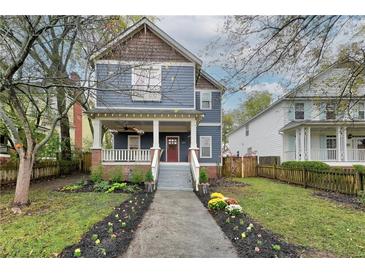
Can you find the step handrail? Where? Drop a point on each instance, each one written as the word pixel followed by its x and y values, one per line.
pixel 195 169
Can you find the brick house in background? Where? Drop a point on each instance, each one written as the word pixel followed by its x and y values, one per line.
pixel 163 110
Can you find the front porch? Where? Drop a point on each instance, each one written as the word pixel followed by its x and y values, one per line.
pixel 338 144
pixel 142 139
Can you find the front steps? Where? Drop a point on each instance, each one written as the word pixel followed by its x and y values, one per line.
pixel 174 176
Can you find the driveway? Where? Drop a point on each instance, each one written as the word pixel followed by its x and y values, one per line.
pixel 178 225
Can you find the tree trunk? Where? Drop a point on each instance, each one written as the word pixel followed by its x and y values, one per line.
pixel 23 181
pixel 64 126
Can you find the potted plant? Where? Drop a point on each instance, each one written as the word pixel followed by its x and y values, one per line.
pixel 149 182
pixel 203 181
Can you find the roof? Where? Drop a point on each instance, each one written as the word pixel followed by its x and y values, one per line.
pixel 295 124
pixel 212 80
pixel 156 30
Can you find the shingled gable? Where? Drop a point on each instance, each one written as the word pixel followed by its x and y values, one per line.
pixel 145 41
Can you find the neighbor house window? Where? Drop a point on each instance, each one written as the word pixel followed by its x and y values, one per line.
pixel 247 130
pixel 330 111
pixel 361 114
pixel 205 100
pixel 299 111
pixel 205 146
pixel 134 141
pixel 146 83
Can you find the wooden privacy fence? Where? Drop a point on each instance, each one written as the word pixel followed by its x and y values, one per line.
pixel 234 166
pixel 43 170
pixel 346 181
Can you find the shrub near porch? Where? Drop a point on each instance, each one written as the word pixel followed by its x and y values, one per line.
pixel 53 221
pixel 302 218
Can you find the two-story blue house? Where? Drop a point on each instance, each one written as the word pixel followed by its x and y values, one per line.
pixel 163 110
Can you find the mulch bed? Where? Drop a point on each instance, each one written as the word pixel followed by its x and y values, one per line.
pixel 115 232
pixel 258 243
pixel 347 200
pixel 88 186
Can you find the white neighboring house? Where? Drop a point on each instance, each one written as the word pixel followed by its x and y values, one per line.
pixel 309 123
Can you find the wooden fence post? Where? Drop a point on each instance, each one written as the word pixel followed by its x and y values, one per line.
pixel 242 167
pixel 358 185
pixel 305 178
pixel 275 172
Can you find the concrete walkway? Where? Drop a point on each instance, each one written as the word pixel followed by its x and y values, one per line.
pixel 178 225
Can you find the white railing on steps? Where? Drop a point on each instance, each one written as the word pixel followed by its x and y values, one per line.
pixel 195 169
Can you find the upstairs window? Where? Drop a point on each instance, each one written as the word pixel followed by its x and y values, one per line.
pixel 146 83
pixel 330 111
pixel 205 100
pixel 361 113
pixel 205 146
pixel 299 111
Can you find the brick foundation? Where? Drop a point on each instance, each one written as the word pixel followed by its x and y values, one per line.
pixel 95 157
pixel 212 171
pixel 126 169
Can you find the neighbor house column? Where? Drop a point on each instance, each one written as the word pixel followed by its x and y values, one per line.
pixel 96 156
pixel 308 143
pixel 297 144
pixel 338 143
pixel 344 143
pixel 302 144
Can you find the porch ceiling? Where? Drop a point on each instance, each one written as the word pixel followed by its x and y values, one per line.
pixel 146 126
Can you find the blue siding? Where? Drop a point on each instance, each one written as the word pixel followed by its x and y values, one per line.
pixel 121 142
pixel 177 87
pixel 215 132
pixel 213 115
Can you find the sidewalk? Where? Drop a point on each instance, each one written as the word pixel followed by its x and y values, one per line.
pixel 178 225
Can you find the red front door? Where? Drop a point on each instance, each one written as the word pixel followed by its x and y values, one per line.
pixel 172 149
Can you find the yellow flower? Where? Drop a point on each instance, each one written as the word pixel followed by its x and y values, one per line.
pixel 217 195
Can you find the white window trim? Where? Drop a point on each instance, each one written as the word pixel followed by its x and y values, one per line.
pixel 295 119
pixel 210 147
pixel 139 140
pixel 201 101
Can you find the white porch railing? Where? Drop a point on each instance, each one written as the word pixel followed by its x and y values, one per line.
pixel 195 169
pixel 126 155
pixel 356 155
pixel 329 154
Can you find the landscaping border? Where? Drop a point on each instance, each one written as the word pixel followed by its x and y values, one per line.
pixel 111 237
pixel 249 238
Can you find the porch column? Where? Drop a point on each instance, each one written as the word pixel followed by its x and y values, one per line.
pixel 344 144
pixel 302 144
pixel 193 144
pixel 297 144
pixel 156 134
pixel 97 133
pixel 308 143
pixel 96 157
pixel 338 143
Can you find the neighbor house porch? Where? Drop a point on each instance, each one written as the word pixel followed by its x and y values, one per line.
pixel 336 143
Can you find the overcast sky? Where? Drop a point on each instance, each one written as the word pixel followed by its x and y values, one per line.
pixel 195 33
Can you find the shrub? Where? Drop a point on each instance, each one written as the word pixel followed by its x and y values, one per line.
pixel 217 204
pixel 101 186
pixel 73 187
pixel 307 165
pixel 116 186
pixel 77 252
pixel 116 175
pixel 231 201
pixel 216 195
pixel 234 209
pixel 359 168
pixel 361 195
pixel 137 176
pixel 203 177
pixel 149 176
pixel 97 174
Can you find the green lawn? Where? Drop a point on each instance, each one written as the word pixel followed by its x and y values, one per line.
pixel 299 217
pixel 53 221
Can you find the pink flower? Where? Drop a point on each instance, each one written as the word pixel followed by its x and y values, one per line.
pixel 257 249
